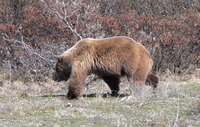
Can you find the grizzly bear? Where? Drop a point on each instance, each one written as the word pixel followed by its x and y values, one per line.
pixel 108 58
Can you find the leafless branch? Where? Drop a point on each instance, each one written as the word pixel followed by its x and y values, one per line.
pixel 29 49
pixel 63 17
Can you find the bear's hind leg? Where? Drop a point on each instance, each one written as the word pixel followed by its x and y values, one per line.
pixel 152 80
pixel 136 85
pixel 113 83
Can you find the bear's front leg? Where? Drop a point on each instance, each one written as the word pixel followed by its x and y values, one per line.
pixel 76 87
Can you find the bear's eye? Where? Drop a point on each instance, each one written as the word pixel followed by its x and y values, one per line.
pixel 59 69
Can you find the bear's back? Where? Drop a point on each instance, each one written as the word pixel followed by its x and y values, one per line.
pixel 121 44
pixel 114 46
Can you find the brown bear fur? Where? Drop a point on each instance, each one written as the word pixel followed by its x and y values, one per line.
pixel 108 58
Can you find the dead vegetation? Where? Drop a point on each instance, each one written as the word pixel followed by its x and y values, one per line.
pixel 34 32
pixel 176 104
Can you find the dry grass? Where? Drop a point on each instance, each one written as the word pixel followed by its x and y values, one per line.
pixel 177 104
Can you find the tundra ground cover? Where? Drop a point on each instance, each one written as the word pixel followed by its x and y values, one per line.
pixel 177 104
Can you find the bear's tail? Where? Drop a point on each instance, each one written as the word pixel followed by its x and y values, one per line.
pixel 152 80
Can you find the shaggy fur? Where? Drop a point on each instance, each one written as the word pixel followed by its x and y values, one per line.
pixel 108 58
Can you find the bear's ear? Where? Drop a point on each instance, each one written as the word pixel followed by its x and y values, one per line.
pixel 60 59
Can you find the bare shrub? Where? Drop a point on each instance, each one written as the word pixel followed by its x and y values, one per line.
pixel 34 32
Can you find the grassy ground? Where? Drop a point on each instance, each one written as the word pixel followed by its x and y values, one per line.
pixel 177 104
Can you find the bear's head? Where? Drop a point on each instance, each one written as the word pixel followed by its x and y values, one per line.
pixel 62 69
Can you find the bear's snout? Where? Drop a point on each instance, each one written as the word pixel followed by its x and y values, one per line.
pixel 56 78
